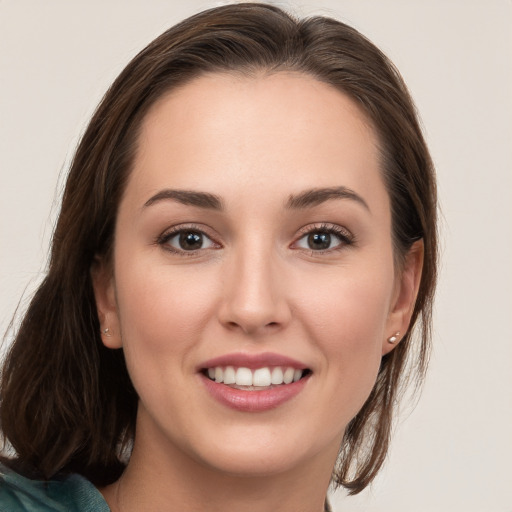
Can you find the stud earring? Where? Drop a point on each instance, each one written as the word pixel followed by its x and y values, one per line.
pixel 106 332
pixel 393 339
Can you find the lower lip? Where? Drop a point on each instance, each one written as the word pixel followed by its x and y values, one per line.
pixel 254 401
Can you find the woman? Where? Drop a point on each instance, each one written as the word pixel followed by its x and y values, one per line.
pixel 246 241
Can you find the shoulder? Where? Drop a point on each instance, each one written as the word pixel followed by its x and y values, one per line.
pixel 69 494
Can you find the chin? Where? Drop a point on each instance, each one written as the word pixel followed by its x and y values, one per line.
pixel 253 463
pixel 261 453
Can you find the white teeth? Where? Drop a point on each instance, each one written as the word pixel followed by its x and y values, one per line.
pixel 259 378
pixel 229 375
pixel 288 375
pixel 243 377
pixel 277 375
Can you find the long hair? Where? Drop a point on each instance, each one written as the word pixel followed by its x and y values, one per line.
pixel 67 401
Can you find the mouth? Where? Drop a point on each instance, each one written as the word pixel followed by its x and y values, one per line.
pixel 255 379
pixel 254 382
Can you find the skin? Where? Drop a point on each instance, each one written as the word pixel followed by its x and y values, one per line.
pixel 254 287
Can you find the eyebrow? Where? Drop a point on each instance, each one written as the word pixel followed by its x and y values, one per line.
pixel 316 196
pixel 187 197
pixel 305 199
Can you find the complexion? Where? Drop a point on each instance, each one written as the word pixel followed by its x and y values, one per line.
pixel 253 286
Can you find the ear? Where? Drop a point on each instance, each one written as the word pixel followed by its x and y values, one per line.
pixel 106 303
pixel 404 297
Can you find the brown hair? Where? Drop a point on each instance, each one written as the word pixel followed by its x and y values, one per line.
pixel 67 401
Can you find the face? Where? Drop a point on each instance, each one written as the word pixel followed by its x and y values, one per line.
pixel 253 285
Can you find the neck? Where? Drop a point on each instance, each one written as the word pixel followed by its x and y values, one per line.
pixel 168 480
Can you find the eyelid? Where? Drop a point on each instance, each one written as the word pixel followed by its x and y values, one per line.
pixel 347 237
pixel 172 231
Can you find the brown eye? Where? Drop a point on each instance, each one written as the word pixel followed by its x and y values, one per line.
pixel 325 238
pixel 188 240
pixel 319 241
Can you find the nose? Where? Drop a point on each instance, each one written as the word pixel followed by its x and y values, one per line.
pixel 254 296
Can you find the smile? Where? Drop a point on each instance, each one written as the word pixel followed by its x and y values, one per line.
pixel 254 382
pixel 255 379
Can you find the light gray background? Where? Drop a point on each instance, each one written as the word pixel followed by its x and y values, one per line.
pixel 454 451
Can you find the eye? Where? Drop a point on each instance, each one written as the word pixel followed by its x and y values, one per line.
pixel 324 238
pixel 187 240
pixel 317 241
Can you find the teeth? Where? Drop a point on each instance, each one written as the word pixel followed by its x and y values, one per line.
pixel 277 375
pixel 261 377
pixel 288 375
pixel 243 377
pixel 229 375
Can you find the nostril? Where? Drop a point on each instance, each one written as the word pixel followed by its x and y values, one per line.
pixel 250 327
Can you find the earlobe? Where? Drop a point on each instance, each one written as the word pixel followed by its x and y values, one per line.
pixel 393 339
pixel 106 304
pixel 406 291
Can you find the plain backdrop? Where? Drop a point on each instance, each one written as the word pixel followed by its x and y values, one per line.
pixel 453 452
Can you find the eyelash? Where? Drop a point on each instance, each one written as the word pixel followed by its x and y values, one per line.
pixel 346 238
pixel 164 238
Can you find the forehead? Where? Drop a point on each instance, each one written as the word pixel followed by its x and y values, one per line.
pixel 270 131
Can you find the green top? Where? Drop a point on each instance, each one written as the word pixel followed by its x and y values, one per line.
pixel 71 493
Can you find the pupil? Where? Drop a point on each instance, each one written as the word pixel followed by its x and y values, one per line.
pixel 319 241
pixel 191 240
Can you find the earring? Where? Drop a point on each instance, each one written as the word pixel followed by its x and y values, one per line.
pixel 394 338
pixel 106 332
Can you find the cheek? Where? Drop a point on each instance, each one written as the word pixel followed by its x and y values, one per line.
pixel 346 316
pixel 347 305
pixel 162 312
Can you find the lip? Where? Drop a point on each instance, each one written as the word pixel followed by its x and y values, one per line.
pixel 252 361
pixel 253 401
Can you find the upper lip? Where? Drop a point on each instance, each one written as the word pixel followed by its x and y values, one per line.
pixel 252 361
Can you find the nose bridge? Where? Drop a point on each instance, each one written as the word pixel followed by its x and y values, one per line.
pixel 253 297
